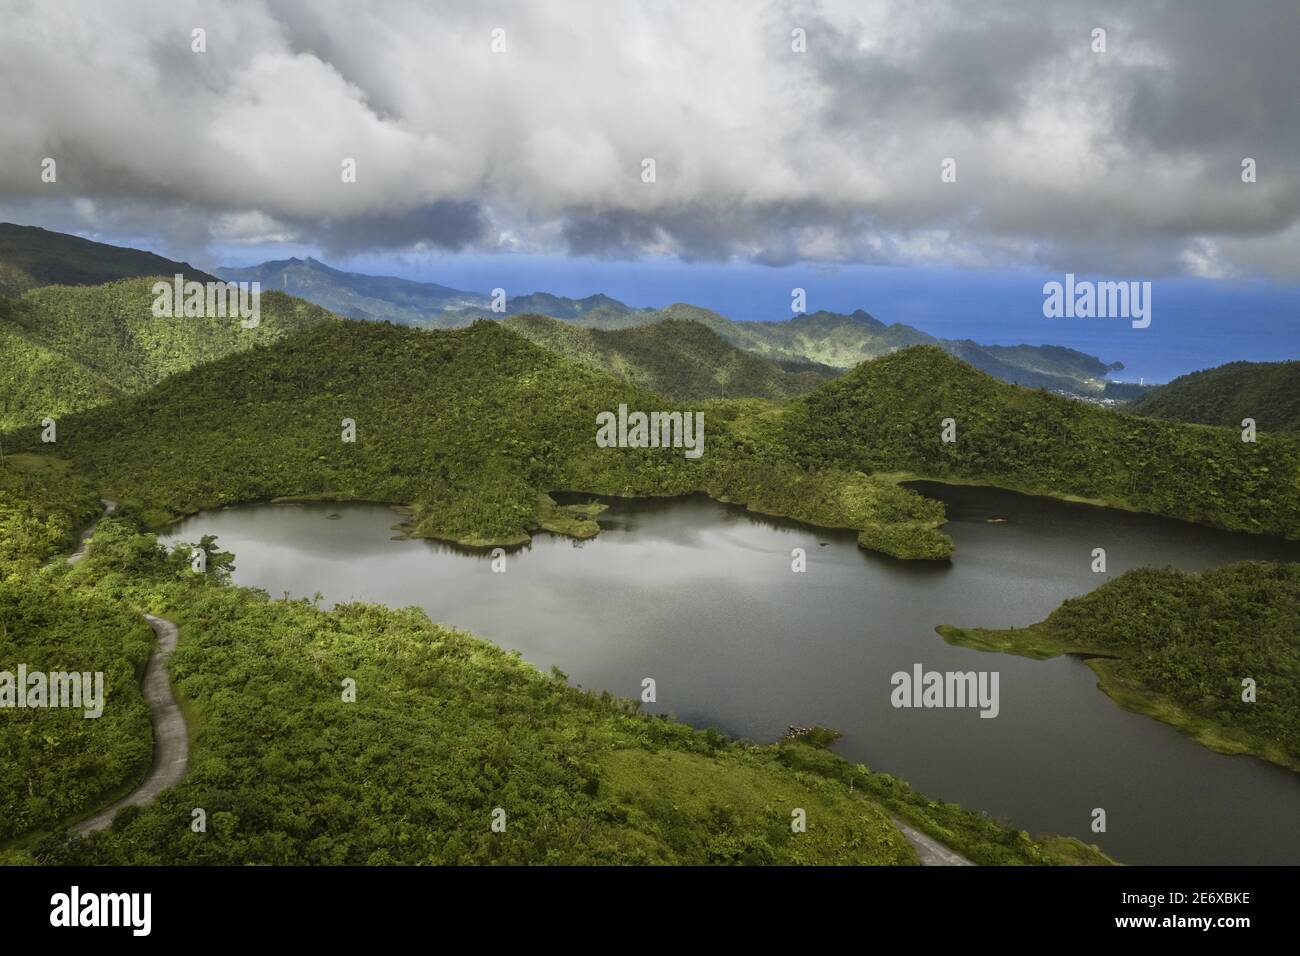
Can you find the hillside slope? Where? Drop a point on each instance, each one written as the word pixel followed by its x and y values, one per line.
pixel 357 296
pixel 36 382
pixel 887 416
pixel 75 347
pixel 677 358
pixel 31 257
pixel 471 428
pixel 1268 392
pixel 820 338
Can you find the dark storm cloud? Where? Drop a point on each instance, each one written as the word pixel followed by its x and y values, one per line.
pixel 1127 160
pixel 968 68
pixel 444 225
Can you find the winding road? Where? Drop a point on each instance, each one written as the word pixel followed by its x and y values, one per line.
pixel 171 746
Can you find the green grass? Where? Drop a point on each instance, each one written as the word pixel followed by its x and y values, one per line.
pixel 737 809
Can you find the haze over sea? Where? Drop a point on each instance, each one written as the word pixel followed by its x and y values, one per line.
pixel 1196 323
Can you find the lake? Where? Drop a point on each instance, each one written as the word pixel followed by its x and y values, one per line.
pixel 700 597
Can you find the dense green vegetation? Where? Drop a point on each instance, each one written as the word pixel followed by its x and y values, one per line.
pixel 42 508
pixel 470 428
pixel 500 423
pixel 37 382
pixel 681 359
pixel 1126 392
pixel 31 257
pixel 1179 647
pixel 886 416
pixel 60 764
pixel 597 311
pixel 444 729
pixel 74 347
pixel 1268 392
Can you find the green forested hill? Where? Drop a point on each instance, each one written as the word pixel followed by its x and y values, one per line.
pixel 470 427
pixel 1268 392
pixel 678 358
pixel 42 508
pixel 473 427
pixel 831 338
pixel 74 347
pixel 36 381
pixel 1178 647
pixel 886 416
pixel 32 257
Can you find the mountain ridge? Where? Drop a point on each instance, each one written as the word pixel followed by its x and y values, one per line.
pixel 679 358
pixel 839 340
pixel 31 256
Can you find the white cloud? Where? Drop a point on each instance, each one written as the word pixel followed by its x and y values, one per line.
pixel 1126 160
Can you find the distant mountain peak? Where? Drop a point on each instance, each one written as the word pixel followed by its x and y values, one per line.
pixel 825 316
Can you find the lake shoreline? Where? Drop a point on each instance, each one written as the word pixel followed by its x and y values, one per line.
pixel 1034 643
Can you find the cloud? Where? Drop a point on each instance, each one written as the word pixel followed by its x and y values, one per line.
pixel 1068 159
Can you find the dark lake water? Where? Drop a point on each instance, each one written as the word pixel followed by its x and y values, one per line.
pixel 700 597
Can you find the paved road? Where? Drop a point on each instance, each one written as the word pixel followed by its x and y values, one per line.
pixel 109 508
pixel 171 745
pixel 930 851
